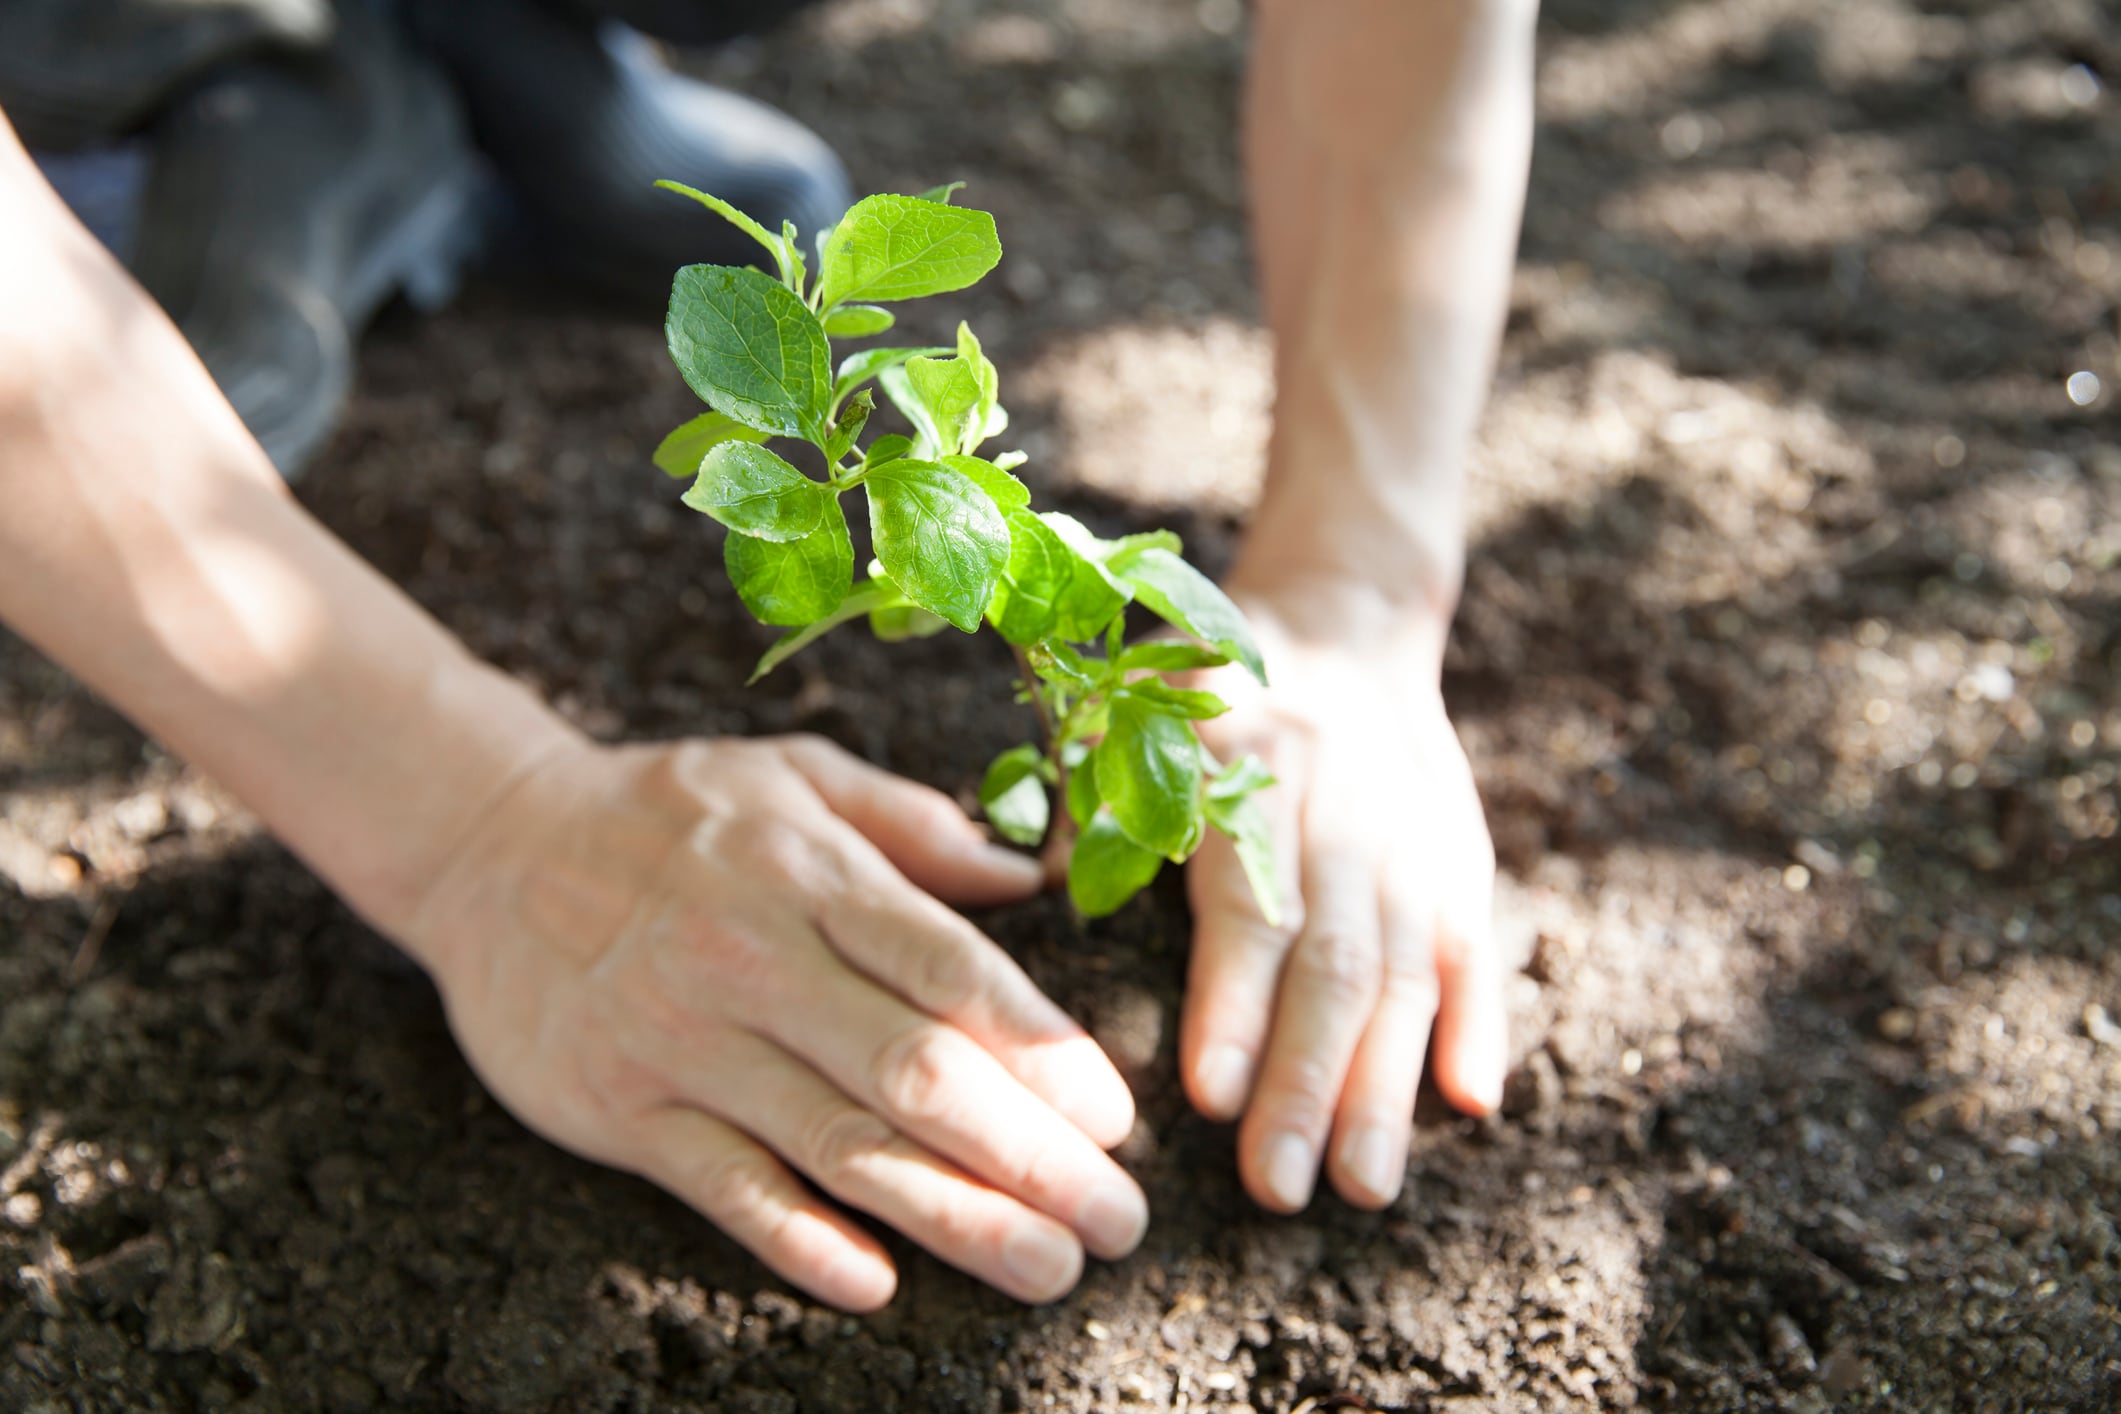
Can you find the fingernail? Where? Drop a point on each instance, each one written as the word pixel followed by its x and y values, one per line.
pixel 1489 1091
pixel 1368 1158
pixel 1044 1260
pixel 1225 1077
pixel 1112 1219
pixel 1290 1169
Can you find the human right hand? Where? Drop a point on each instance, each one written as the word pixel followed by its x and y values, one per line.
pixel 720 964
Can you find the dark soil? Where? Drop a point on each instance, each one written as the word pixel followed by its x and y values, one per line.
pixel 1790 663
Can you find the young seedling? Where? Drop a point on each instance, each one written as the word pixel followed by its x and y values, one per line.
pixel 957 542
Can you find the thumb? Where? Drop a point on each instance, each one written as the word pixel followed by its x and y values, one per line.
pixel 919 829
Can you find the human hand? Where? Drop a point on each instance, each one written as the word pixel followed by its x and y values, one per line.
pixel 718 964
pixel 1320 1027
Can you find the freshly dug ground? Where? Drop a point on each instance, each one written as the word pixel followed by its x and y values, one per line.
pixel 1790 663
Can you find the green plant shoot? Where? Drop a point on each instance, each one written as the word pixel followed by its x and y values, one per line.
pixel 956 540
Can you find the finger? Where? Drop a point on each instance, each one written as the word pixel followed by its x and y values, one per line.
pixel 919 829
pixel 1374 1123
pixel 947 968
pixel 936 1085
pixel 858 1158
pixel 1473 1023
pixel 1329 989
pixel 1236 965
pixel 747 1193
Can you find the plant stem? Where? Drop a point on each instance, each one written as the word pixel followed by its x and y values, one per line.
pixel 1060 838
pixel 1046 723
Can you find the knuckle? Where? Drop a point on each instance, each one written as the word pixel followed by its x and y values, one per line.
pixel 963 1227
pixel 842 1141
pixel 615 1083
pixel 1416 993
pixel 949 975
pixel 725 1183
pixel 930 811
pixel 1303 1091
pixel 1030 1170
pixel 735 960
pixel 812 751
pixel 913 1076
pixel 778 852
pixel 1343 964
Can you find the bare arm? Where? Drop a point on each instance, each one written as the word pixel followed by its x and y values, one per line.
pixel 150 546
pixel 1388 143
pixel 712 963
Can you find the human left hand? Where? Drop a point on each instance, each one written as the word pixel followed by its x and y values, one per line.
pixel 1317 1030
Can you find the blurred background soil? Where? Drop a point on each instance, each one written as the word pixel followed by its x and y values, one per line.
pixel 1790 663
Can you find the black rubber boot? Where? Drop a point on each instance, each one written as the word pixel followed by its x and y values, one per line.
pixel 287 201
pixel 75 72
pixel 581 118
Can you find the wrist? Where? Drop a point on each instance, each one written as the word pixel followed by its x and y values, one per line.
pixel 1298 601
pixel 465 742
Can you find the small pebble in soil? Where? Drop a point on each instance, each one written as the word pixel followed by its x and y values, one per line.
pixel 1843 1371
pixel 2100 1027
pixel 1787 1347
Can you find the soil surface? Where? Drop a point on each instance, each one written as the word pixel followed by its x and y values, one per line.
pixel 1790 663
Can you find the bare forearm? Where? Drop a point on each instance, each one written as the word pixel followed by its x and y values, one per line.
pixel 148 545
pixel 1388 144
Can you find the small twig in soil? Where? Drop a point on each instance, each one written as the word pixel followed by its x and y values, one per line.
pixel 91 946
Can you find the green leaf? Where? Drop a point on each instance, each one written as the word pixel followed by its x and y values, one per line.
pixel 1166 656
pixel 1246 824
pixel 848 426
pixel 1082 793
pixel 900 622
pixel 858 368
pixel 1014 795
pixel 1182 595
pixel 1149 773
pixel 987 417
pixel 949 390
pixel 864 598
pixel 1183 702
pixel 787 254
pixel 898 387
pixel 1130 545
pixel 749 489
pixel 794 582
pixel 1010 461
pixel 1091 597
pixel 1009 494
pixel 1025 608
pixel 903 247
pixel 939 536
pixel 858 321
pixel 1090 723
pixel 679 454
pixel 750 348
pixel 1240 778
pixel 1060 665
pixel 792 275
pixel 1107 868
pixel 887 448
pixel 942 193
